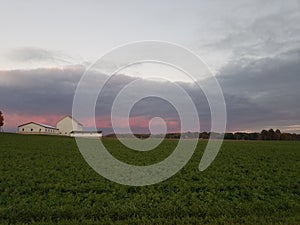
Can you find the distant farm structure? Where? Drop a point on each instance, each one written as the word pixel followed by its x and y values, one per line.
pixel 67 126
pixel 37 128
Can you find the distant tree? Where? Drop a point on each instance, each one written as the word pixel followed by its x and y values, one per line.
pixel 229 136
pixel 286 136
pixel 239 136
pixel 254 136
pixel 264 135
pixel 1 121
pixel 272 134
pixel 204 135
pixel 278 134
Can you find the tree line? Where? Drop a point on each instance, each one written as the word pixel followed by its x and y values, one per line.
pixel 263 135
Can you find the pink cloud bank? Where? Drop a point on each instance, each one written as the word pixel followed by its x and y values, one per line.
pixel 13 120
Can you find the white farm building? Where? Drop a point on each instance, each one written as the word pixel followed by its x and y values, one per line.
pixel 37 128
pixel 66 126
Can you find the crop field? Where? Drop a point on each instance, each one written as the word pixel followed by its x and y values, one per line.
pixel 45 180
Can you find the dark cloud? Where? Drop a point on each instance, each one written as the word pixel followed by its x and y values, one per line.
pixel 268 88
pixel 39 91
pixel 258 93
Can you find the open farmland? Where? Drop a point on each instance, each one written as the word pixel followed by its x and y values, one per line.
pixel 45 180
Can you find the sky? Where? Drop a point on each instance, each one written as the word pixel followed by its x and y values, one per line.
pixel 252 48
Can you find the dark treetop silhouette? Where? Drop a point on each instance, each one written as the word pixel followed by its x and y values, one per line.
pixel 1 121
pixel 263 135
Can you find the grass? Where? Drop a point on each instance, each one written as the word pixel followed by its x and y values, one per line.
pixel 45 180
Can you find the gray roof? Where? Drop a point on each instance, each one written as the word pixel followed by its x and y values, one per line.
pixel 40 124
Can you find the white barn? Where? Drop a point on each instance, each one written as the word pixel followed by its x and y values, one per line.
pixel 67 124
pixel 86 134
pixel 37 128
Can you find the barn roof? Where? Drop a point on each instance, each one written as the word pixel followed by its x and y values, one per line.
pixel 72 119
pixel 40 124
pixel 85 132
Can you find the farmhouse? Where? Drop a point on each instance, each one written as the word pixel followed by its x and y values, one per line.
pixel 67 126
pixel 37 128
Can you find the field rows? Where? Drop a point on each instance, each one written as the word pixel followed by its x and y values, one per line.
pixel 44 180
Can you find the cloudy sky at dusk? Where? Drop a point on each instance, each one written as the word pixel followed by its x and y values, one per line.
pixel 252 47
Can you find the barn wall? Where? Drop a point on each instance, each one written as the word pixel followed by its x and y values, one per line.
pixel 36 129
pixel 66 125
pixel 87 134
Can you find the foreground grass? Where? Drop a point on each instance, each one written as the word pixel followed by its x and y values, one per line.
pixel 44 180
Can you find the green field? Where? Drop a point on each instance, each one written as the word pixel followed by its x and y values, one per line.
pixel 45 180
